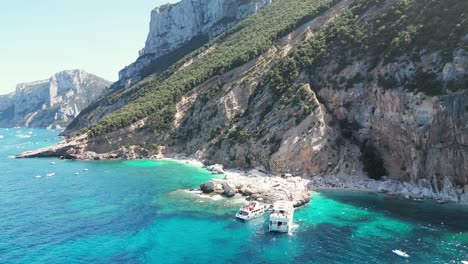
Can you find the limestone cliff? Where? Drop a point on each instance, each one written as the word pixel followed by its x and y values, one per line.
pixel 351 88
pixel 50 103
pixel 188 22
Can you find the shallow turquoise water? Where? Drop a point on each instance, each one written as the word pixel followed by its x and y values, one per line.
pixel 132 212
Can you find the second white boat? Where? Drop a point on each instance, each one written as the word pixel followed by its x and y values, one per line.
pixel 281 218
pixel 251 210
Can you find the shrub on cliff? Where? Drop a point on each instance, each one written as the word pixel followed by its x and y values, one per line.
pixel 158 94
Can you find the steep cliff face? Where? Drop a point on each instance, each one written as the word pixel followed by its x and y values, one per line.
pixel 50 103
pixel 188 22
pixel 349 88
pixel 173 25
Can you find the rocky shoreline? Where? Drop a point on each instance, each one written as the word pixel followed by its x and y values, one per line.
pixel 422 190
pixel 266 186
pixel 256 185
pixel 259 185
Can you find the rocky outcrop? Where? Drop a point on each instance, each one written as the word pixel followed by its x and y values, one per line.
pixel 421 190
pixel 259 186
pixel 418 136
pixel 322 121
pixel 50 103
pixel 173 25
pixel 188 21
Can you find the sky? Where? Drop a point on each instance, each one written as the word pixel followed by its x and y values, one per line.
pixel 41 37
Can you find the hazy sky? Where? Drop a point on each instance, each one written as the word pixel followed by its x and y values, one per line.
pixel 41 37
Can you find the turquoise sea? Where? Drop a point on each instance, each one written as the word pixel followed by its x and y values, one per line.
pixel 132 212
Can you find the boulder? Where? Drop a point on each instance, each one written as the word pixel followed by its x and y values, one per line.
pixel 247 191
pixel 208 187
pixel 390 187
pixel 464 199
pixel 216 169
pixel 449 192
pixel 229 190
pixel 426 188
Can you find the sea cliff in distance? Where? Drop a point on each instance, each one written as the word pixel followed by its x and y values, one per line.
pixel 51 103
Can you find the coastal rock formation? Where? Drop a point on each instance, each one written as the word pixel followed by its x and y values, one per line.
pixel 340 93
pixel 258 186
pixel 172 25
pixel 50 103
pixel 188 22
pixel 418 191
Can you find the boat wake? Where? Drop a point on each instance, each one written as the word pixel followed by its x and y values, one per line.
pixel 23 136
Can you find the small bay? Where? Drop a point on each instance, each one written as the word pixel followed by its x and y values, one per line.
pixel 135 212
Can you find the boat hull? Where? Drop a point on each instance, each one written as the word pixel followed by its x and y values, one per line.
pixel 248 215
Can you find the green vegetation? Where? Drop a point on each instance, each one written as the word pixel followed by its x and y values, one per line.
pixel 426 82
pixel 282 76
pixel 412 27
pixel 304 101
pixel 211 92
pixel 155 97
pixel 340 141
pixel 149 146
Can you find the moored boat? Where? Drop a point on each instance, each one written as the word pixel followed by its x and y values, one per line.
pixel 400 253
pixel 282 217
pixel 251 210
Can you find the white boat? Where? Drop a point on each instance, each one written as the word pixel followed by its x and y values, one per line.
pixel 281 218
pixel 251 210
pixel 37 176
pixel 52 163
pixel 400 253
pixel 464 262
pixel 50 174
pixel 85 169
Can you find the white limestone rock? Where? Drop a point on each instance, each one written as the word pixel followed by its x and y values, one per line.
pixel 51 103
pixel 173 25
pixel 426 188
pixel 448 192
pixel 464 199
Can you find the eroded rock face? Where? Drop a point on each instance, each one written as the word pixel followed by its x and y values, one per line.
pixel 257 186
pixel 419 137
pixel 50 103
pixel 422 139
pixel 174 25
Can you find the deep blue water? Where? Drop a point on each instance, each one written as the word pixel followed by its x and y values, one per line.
pixel 132 212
